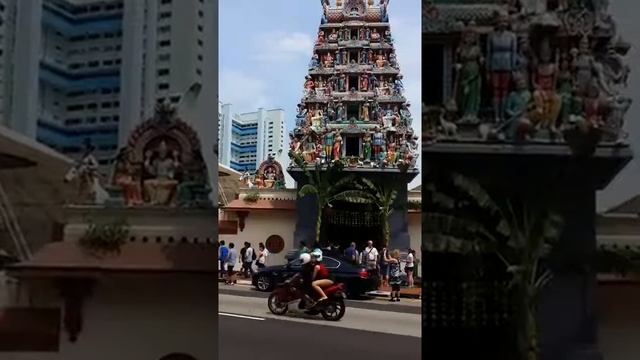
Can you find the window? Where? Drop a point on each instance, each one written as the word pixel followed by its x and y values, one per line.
pixel 198 71
pixel 164 57
pixel 164 15
pixel 72 121
pixel 200 28
pixel 106 91
pixel 164 29
pixel 163 72
pixel 200 42
pixel 115 118
pixel 108 35
pixel 75 66
pixel 166 2
pixel 105 119
pixel 92 106
pixel 163 86
pixel 116 103
pixel 118 61
pixel 91 120
pixel 200 57
pixel 94 63
pixel 77 38
pixel 106 105
pixel 164 43
pixel 200 13
pixel 75 107
pixel 118 47
pixel 107 62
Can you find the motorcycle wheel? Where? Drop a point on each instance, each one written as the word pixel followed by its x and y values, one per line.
pixel 276 306
pixel 334 310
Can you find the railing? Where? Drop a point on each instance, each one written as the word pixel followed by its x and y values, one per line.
pixel 13 227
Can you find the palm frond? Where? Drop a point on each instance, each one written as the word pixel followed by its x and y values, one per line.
pixel 353 196
pixel 444 224
pixel 308 189
pixel 482 199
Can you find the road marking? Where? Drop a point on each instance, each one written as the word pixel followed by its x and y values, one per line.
pixel 241 316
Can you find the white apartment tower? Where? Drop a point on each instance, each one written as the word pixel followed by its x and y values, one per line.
pixel 72 70
pixel 247 139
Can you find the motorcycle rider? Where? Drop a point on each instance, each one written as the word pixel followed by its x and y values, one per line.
pixel 320 277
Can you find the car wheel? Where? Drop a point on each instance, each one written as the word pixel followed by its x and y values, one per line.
pixel 263 283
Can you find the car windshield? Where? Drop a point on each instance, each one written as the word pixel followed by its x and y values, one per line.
pixel 329 262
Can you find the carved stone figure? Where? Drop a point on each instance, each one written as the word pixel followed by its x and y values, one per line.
pixel 469 77
pixel 518 126
pixel 365 112
pixel 548 102
pixel 565 88
pixel 583 67
pixel 329 138
pixel 378 141
pixel 381 62
pixel 375 35
pixel 328 61
pixel 618 107
pixel 333 37
pixel 364 82
pixel 366 147
pixel 338 57
pixel 320 40
pixel 161 166
pixel 337 147
pixel 126 178
pixel 85 174
pixel 315 62
pixel 502 49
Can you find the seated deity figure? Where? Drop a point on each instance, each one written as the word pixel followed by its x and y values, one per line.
pixel 381 62
pixel 125 177
pixel 162 186
pixel 518 125
pixel 548 102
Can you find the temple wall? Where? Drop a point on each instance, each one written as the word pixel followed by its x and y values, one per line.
pixel 259 226
pixel 147 319
pixel 619 321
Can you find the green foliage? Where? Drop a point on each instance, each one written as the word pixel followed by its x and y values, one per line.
pixel 105 238
pixel 252 196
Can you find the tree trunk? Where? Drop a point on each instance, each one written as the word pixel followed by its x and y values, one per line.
pixel 386 229
pixel 318 223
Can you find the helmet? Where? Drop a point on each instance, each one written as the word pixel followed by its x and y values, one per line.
pixel 305 258
pixel 317 254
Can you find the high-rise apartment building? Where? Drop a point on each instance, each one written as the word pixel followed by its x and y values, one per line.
pixel 247 139
pixel 72 70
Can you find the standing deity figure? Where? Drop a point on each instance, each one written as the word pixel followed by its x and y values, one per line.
pixel 309 153
pixel 564 87
pixel 533 7
pixel 391 152
pixel 370 57
pixel 398 87
pixel 378 140
pixel 362 34
pixel 523 63
pixel 367 33
pixel 366 147
pixel 301 116
pixel 309 86
pixel 320 40
pixel 160 188
pixel 388 118
pixel 593 107
pixel 125 177
pixel 333 37
pixel 381 62
pixel 365 111
pixel 338 57
pixel 618 107
pixel 405 115
pixel 325 11
pixel 329 138
pixel 341 84
pixel 469 78
pixel 583 66
pixel 364 82
pixel 547 101
pixel 345 57
pixel 315 61
pixel 328 60
pixel 384 15
pixel 316 120
pixel 340 113
pixel 337 147
pixel 373 82
pixel 362 57
pixel 502 49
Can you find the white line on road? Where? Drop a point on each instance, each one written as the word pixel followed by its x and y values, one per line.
pixel 241 316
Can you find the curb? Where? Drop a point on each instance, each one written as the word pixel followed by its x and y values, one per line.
pixel 386 294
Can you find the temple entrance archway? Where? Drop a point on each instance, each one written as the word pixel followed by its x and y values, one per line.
pixel 345 223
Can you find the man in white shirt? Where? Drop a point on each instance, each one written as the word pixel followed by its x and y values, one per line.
pixel 370 257
pixel 263 253
pixel 247 261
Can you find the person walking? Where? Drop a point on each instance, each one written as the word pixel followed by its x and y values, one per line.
pixel 351 253
pixel 384 267
pixel 394 274
pixel 232 258
pixel 370 258
pixel 243 251
pixel 263 253
pixel 408 266
pixel 223 252
pixel 247 260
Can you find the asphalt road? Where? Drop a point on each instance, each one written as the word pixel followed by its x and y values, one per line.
pixel 248 330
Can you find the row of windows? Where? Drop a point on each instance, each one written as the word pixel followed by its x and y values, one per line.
pixel 104 91
pixel 93 106
pixel 78 149
pixel 107 35
pixel 78 10
pixel 92 49
pixel 94 64
pixel 91 120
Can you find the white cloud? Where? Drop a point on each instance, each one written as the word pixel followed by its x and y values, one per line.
pixel 245 92
pixel 279 46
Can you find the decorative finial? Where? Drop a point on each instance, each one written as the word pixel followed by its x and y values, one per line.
pixel 338 3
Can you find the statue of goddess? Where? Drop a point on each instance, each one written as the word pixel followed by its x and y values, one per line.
pixel 502 49
pixel 366 146
pixel 161 188
pixel 365 112
pixel 320 40
pixel 329 137
pixel 547 101
pixel 378 140
pixel 337 147
pixel 583 67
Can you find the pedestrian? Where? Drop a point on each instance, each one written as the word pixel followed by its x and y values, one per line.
pixel 384 267
pixel 370 258
pixel 223 252
pixel 408 266
pixel 351 253
pixel 263 253
pixel 248 259
pixel 232 258
pixel 243 251
pixel 394 274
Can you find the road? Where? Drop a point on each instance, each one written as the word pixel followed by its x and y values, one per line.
pixel 248 330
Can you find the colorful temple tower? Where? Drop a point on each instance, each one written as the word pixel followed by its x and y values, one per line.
pixel 353 111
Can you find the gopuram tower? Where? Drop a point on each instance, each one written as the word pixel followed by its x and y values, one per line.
pixel 353 112
pixel 528 99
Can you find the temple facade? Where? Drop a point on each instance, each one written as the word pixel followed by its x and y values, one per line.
pixel 354 114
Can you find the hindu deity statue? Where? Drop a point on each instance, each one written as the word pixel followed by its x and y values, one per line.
pixel 294 144
pixel 337 147
pixel 583 66
pixel 325 11
pixel 375 35
pixel 364 82
pixel 329 137
pixel 125 177
pixel 593 107
pixel 316 120
pixel 309 86
pixel 315 62
pixel 502 50
pixel 328 60
pixel 618 107
pixel 320 40
pixel 301 115
pixel 378 141
pixel 405 115
pixel 362 35
pixel 309 153
pixel 382 155
pixel 161 187
pixel 362 57
pixel 384 16
pixel 345 57
pixel 387 36
pixel 380 61
pixel 333 37
pixel 548 102
pixel 533 7
pixel 365 112
pixel 517 111
pixel 341 114
pixel 523 60
pixel 338 57
pixel 367 33
pixel 398 87
pixel 342 83
pixel 370 57
pixel 565 87
pixel 391 152
pixel 393 60
pixel 366 146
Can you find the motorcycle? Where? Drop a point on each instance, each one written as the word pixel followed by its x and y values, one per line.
pixel 331 309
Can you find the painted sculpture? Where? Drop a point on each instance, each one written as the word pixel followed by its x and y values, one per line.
pixel 548 67
pixel 353 108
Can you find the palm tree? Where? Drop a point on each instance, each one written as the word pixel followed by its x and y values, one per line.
pixel 521 239
pixel 325 184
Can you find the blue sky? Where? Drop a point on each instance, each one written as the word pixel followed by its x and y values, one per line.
pixel 265 48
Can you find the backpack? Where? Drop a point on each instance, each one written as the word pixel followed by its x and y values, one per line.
pixel 253 255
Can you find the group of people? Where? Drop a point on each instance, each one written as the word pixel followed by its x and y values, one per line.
pixel 385 264
pixel 228 257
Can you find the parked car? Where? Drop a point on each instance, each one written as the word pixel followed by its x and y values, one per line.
pixel 356 278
